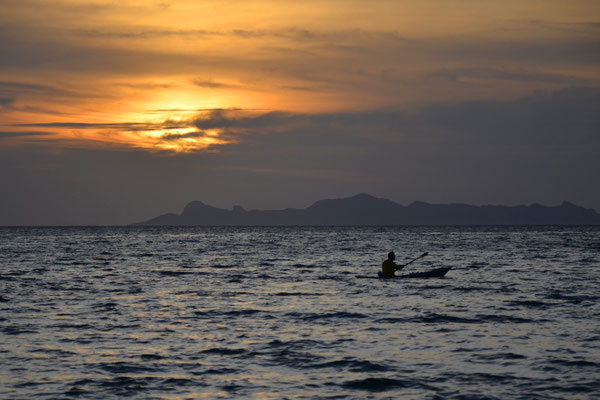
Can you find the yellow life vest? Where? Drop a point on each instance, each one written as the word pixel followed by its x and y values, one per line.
pixel 388 268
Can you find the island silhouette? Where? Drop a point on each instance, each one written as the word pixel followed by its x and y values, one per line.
pixel 364 209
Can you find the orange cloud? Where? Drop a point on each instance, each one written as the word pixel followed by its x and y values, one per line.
pixel 134 63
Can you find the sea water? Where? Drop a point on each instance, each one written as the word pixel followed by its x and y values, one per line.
pixel 277 313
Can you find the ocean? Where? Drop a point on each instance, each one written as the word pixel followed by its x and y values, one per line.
pixel 277 313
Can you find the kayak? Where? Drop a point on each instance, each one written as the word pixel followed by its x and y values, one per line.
pixel 434 273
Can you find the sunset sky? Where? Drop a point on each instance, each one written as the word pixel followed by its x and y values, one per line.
pixel 113 112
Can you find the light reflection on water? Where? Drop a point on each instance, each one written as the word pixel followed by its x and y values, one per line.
pixel 277 312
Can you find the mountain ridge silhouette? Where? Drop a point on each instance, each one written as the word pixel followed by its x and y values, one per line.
pixel 364 209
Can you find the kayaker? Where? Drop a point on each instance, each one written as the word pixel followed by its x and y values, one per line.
pixel 389 267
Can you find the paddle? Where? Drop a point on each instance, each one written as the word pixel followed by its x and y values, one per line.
pixel 399 267
pixel 421 256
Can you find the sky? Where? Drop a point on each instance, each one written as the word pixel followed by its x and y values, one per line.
pixel 113 112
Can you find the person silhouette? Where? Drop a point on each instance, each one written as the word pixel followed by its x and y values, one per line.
pixel 389 267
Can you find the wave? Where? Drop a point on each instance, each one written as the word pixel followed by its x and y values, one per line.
pixel 500 356
pixel 219 371
pixel 9 277
pixel 530 304
pixel 326 316
pixel 384 384
pixel 284 294
pixel 352 365
pixel 575 363
pixel 242 321
pixel 506 319
pixel 71 326
pixel 126 386
pixel 232 313
pixel 143 255
pixel 294 343
pixel 17 330
pixel 479 289
pixel 292 358
pixel 484 377
pixel 108 306
pixel 56 352
pixel 151 357
pixel 224 351
pixel 308 266
pixel 175 273
pixel 434 318
pixel 124 368
pixel 576 299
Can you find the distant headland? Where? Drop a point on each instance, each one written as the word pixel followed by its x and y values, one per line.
pixel 364 209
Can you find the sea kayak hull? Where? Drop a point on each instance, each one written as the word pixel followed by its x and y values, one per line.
pixel 434 273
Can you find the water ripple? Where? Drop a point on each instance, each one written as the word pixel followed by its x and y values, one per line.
pixel 275 312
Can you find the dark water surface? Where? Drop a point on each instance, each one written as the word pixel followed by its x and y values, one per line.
pixel 277 313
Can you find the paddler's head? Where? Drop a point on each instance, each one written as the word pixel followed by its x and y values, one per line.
pixel 391 256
